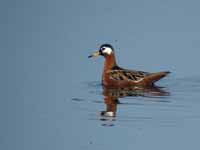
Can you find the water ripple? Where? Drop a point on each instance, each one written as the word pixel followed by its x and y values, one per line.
pixel 165 106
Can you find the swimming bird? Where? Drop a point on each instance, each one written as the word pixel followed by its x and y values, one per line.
pixel 115 76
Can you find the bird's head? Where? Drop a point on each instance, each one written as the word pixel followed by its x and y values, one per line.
pixel 104 50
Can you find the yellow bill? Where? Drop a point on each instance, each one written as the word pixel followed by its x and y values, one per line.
pixel 96 54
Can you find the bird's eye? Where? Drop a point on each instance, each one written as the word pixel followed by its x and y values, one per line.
pixel 103 48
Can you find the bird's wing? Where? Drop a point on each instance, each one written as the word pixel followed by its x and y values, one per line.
pixel 127 75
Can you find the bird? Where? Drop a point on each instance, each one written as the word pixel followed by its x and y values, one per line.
pixel 115 76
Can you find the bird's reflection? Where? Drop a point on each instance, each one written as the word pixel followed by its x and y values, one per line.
pixel 112 95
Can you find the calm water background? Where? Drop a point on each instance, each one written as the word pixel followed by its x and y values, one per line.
pixel 51 93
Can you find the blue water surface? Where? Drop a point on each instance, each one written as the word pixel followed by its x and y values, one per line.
pixel 51 93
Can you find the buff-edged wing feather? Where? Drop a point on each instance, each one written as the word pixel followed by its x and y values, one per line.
pixel 127 75
pixel 135 76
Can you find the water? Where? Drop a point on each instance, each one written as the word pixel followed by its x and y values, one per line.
pixel 51 94
pixel 166 119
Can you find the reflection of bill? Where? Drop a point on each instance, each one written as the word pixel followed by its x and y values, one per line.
pixel 111 96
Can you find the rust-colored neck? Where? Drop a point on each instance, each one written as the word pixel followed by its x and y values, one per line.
pixel 110 62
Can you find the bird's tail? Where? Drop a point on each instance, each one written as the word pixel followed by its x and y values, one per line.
pixel 153 77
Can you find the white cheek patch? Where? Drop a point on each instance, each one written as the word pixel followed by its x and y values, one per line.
pixel 107 51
